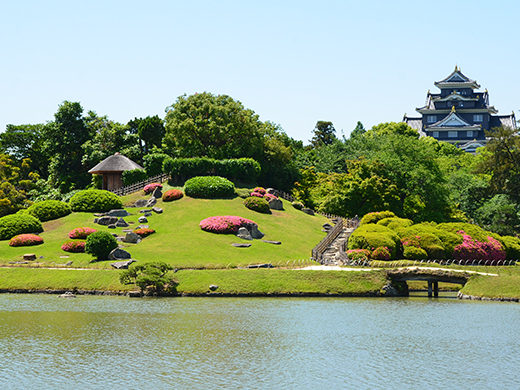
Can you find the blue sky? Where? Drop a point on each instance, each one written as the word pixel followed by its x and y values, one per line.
pixel 292 62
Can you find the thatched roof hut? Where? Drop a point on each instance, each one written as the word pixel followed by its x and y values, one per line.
pixel 112 168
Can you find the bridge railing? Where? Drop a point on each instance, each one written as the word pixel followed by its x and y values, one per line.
pixel 419 263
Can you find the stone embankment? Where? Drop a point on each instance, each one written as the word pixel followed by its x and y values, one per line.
pixel 477 298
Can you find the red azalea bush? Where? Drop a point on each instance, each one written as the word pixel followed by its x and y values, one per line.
pixel 471 249
pixel 148 189
pixel 81 233
pixel 144 232
pixel 358 254
pixel 260 190
pixel 381 253
pixel 25 240
pixel 172 195
pixel 74 246
pixel 223 224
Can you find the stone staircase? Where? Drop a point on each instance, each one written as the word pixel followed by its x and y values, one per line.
pixel 335 252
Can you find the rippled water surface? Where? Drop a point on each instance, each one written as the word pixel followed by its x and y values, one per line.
pixel 258 343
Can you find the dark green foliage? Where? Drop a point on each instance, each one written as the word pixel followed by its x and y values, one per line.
pixel 414 253
pixel 154 275
pixel 48 210
pixel 324 134
pixel 499 215
pixel 372 236
pixel 511 246
pixel 209 187
pixel 377 216
pixel 12 225
pixel 100 244
pixel 95 201
pixel 257 204
pixel 134 176
pixel 153 163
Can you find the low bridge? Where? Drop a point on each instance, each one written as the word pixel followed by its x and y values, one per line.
pixel 432 276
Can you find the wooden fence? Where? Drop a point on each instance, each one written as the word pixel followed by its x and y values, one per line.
pixel 140 185
pixel 317 252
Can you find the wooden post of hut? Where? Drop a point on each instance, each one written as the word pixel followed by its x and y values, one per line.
pixel 111 169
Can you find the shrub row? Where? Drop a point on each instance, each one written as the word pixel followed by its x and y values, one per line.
pixel 209 187
pixel 134 176
pixel 243 169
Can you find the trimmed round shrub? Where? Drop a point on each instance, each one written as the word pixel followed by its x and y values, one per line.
pixel 358 254
pixel 48 210
pixel 25 240
pixel 95 201
pixel 448 239
pixel 260 190
pixel 144 232
pixel 381 253
pixel 74 246
pixel 14 224
pixel 149 188
pixel 433 246
pixel 100 244
pixel 171 195
pixel 243 192
pixel 415 253
pixel 512 247
pixel 209 187
pixel 81 233
pixel 395 223
pixel 298 205
pixel 373 236
pixel 376 217
pixel 270 197
pixel 223 224
pixel 257 204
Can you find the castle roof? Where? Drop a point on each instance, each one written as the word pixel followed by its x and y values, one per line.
pixel 457 80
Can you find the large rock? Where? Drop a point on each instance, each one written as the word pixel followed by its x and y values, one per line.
pixel 157 210
pixel 241 245
pixel 157 193
pixel 122 223
pixel 142 219
pixel 308 211
pixel 118 213
pixel 244 234
pixel 122 264
pixel 132 238
pixel 141 203
pixel 151 202
pixel 118 254
pixel 105 221
pixel 144 211
pixel 276 204
pixel 253 230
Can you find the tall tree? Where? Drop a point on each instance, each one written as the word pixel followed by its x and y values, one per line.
pixel 151 131
pixel 324 134
pixel 358 131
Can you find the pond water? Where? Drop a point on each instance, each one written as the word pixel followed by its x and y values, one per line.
pixel 104 342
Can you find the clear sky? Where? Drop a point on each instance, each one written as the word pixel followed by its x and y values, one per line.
pixel 292 62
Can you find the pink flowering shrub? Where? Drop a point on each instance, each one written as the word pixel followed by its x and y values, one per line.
pixel 471 249
pixel 82 232
pixel 148 189
pixel 25 240
pixel 257 194
pixel 172 195
pixel 270 197
pixel 260 190
pixel 411 241
pixel 144 232
pixel 223 224
pixel 74 246
pixel 381 253
pixel 358 254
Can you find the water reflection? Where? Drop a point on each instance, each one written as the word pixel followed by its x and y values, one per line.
pixel 258 343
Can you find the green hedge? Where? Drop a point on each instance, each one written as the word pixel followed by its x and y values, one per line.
pixel 153 163
pixel 372 236
pixel 209 187
pixel 134 176
pixel 448 239
pixel 95 201
pixel 243 169
pixel 14 224
pixel 48 210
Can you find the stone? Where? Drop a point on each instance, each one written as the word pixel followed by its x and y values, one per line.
pixel 29 256
pixel 264 265
pixel 272 242
pixel 151 202
pixel 68 294
pixel 118 213
pixel 308 211
pixel 105 221
pixel 143 226
pixel 112 226
pixel 132 238
pixel 114 234
pixel 157 210
pixel 141 203
pixel 253 230
pixel 118 254
pixel 276 204
pixel 122 223
pixel 147 214
pixel 144 211
pixel 122 264
pixel 99 214
pixel 241 245
pixel 327 227
pixel 271 191
pixel 96 220
pixel 244 234
pixel 157 193
pixel 213 287
pixel 142 219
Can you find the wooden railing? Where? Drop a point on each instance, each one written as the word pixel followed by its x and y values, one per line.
pixel 140 185
pixel 317 252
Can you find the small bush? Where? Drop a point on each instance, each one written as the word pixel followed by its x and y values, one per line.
pixel 227 224
pixel 472 249
pixel 358 254
pixel 270 197
pixel 95 201
pixel 260 190
pixel 257 194
pixel 81 233
pixel 395 223
pixel 134 176
pixel 376 217
pixel 381 253
pixel 512 247
pixel 144 232
pixel 298 205
pixel 209 187
pixel 149 188
pixel 74 246
pixel 257 204
pixel 243 192
pixel 372 236
pixel 414 253
pixel 14 224
pixel 171 195
pixel 100 244
pixel 25 240
pixel 48 210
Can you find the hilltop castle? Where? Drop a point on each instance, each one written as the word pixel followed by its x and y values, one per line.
pixel 459 114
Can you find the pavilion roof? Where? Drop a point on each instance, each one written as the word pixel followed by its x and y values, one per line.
pixel 115 163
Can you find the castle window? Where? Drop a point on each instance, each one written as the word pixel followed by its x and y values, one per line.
pixel 469 133
pixel 435 134
pixel 432 118
pixel 453 134
pixel 478 118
